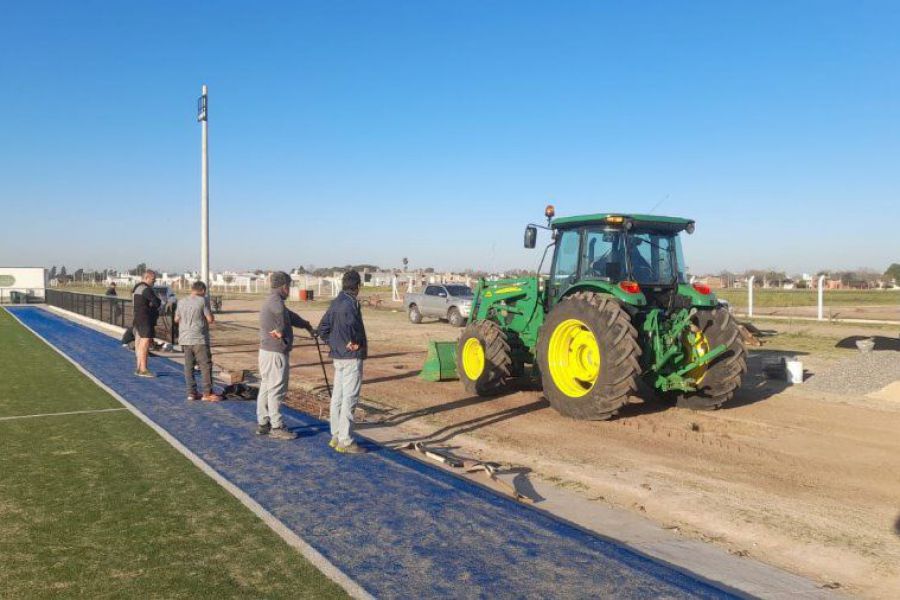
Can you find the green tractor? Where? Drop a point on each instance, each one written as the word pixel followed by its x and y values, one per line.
pixel 615 310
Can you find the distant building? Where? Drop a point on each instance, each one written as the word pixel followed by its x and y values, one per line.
pixel 31 281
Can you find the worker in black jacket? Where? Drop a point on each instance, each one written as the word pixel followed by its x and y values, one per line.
pixel 146 310
pixel 343 330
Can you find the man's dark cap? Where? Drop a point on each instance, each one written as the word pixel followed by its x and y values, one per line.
pixel 280 278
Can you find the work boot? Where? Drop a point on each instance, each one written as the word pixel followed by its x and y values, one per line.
pixel 210 397
pixel 351 448
pixel 193 396
pixel 280 433
pixel 334 442
pixel 145 373
pixel 263 429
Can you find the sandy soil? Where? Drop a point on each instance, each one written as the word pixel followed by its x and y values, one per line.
pixel 804 480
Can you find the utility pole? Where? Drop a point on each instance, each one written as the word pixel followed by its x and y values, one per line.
pixel 204 187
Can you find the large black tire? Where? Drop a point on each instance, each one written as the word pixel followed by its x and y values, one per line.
pixel 617 342
pixel 723 375
pixel 455 318
pixel 492 379
pixel 414 315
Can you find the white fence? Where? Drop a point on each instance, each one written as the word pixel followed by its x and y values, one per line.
pixel 817 303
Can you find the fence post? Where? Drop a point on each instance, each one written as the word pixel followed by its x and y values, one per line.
pixel 750 295
pixel 821 297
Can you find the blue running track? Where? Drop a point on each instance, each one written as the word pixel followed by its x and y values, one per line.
pixel 398 527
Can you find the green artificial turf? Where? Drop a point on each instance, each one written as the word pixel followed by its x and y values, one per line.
pixel 99 506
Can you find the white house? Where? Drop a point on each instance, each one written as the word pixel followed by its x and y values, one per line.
pixel 27 280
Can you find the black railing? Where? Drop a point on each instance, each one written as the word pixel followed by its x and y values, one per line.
pixel 109 309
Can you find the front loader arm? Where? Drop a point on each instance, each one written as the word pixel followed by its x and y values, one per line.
pixel 515 304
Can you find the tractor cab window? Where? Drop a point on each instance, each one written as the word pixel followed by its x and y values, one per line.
pixel 604 255
pixel 655 257
pixel 567 255
pixel 647 257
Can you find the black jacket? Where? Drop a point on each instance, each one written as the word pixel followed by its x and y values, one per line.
pixel 145 303
pixel 342 324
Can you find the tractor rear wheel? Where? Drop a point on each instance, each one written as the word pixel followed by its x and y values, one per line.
pixel 483 358
pixel 588 356
pixel 717 381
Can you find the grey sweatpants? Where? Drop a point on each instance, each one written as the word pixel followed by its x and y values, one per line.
pixel 344 396
pixel 273 375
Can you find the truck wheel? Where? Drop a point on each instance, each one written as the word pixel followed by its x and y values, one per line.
pixel 588 355
pixel 455 318
pixel 717 381
pixel 483 359
pixel 414 315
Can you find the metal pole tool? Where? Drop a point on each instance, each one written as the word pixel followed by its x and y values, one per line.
pixel 322 362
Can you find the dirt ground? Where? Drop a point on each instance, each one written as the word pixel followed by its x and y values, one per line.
pixel 805 480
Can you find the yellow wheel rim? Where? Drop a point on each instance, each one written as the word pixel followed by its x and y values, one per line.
pixel 696 344
pixel 473 359
pixel 574 358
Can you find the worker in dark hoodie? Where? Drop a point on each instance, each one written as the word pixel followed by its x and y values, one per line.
pixel 343 330
pixel 276 339
pixel 146 305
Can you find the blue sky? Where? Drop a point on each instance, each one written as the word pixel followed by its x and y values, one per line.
pixel 368 131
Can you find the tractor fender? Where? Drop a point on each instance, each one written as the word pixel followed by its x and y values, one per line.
pixel 622 297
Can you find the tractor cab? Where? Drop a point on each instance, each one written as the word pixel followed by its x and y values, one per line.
pixel 636 258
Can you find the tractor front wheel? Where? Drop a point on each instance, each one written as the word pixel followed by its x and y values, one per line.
pixel 483 358
pixel 588 355
pixel 717 381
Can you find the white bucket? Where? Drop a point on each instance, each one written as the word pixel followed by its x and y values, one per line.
pixel 793 371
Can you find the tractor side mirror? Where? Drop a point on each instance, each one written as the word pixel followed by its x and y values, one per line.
pixel 530 236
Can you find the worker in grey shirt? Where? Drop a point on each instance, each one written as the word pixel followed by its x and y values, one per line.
pixel 194 318
pixel 276 338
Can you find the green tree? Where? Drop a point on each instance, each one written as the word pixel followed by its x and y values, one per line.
pixel 893 272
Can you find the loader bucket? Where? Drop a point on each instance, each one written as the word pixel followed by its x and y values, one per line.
pixel 440 364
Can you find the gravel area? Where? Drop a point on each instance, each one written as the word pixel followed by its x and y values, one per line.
pixel 860 374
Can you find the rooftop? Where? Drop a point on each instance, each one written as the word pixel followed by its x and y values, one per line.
pixel 670 223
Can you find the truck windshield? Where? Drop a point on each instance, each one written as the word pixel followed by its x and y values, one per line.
pixel 647 257
pixel 459 290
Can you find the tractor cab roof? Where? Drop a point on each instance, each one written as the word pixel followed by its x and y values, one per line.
pixel 658 222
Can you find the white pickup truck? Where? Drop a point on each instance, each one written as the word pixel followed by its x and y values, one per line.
pixel 451 302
